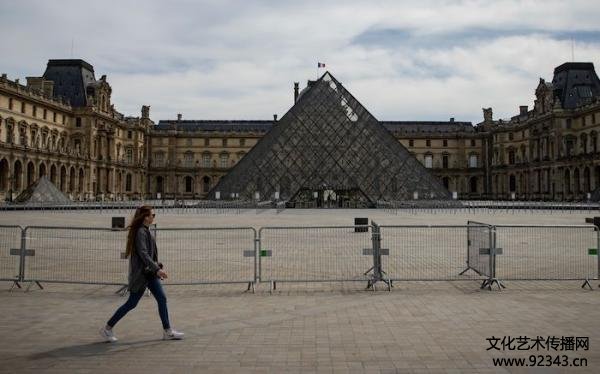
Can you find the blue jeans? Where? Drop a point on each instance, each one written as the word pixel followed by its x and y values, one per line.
pixel 134 297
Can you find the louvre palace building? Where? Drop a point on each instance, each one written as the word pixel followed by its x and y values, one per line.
pixel 63 125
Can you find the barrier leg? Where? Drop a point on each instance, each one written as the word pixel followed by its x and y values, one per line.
pixel 15 283
pixel 587 283
pixel 31 284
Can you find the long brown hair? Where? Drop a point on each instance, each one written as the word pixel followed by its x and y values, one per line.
pixel 136 222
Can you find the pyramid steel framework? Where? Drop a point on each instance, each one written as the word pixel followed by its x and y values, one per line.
pixel 328 146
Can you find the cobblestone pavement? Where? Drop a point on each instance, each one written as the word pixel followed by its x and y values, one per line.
pixel 323 328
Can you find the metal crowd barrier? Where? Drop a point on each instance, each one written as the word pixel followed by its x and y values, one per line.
pixel 10 254
pixel 547 252
pixel 313 254
pixel 74 255
pixel 431 253
pixel 208 255
pixel 476 251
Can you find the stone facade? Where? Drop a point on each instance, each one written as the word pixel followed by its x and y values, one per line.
pixel 91 151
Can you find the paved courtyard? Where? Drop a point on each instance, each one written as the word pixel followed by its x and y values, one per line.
pixel 305 327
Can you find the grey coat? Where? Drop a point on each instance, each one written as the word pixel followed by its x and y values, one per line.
pixel 143 263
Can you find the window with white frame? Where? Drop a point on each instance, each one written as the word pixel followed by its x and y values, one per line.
pixel 473 161
pixel 429 161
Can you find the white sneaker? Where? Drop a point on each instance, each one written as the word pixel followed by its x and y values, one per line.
pixel 171 334
pixel 108 335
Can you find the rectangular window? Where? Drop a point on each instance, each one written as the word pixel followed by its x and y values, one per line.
pixel 445 143
pixel 45 113
pixel 242 142
pixel 429 161
pixel 224 142
pixel 128 183
pixel 224 160
pixel 445 161
pixel 411 143
pixel 510 136
pixel 473 143
pixel 23 107
pixel 78 122
pixel 54 117
pixel 64 119
pixel 159 158
pixel 129 155
pixel 583 121
pixel 473 161
pixel 428 143
pixel 129 134
pixel 34 111
pixel 188 159
pixel 206 142
pixel 568 124
pixel 206 160
pixel 10 104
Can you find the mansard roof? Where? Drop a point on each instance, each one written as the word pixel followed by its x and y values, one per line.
pixel 575 84
pixel 216 125
pixel 70 77
pixel 265 125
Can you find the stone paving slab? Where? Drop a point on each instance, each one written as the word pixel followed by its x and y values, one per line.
pixel 420 327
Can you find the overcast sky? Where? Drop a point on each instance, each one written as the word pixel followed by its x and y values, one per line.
pixel 403 60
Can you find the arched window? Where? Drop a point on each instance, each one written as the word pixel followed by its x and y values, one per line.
pixel 473 185
pixel 42 170
pixel 3 175
pixel 205 184
pixel 30 173
pixel 18 173
pixel 512 184
pixel 81 180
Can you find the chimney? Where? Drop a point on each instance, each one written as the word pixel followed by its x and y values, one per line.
pixel 451 119
pixel 179 117
pixel 523 110
pixel 296 91
pixel 487 115
pixel 274 117
pixel 145 111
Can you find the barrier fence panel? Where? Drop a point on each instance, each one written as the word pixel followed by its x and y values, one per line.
pixel 75 255
pixel 208 255
pixel 421 253
pixel 10 245
pixel 479 238
pixel 547 252
pixel 314 254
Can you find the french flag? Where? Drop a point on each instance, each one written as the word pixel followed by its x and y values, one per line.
pixel 320 64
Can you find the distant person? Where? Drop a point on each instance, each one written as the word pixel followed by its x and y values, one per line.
pixel 144 271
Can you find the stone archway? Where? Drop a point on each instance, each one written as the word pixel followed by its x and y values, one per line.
pixel 4 174
pixel 18 174
pixel 30 173
pixel 42 170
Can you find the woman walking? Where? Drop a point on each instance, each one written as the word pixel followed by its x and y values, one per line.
pixel 144 271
